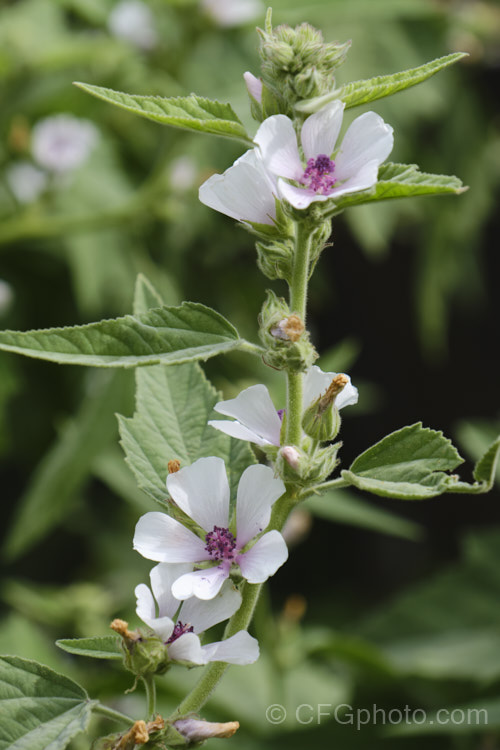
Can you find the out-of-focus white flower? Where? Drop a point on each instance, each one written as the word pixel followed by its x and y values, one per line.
pixel 63 142
pixel 201 490
pixel 133 21
pixel 246 191
pixel 26 181
pixel 232 12
pixel 354 166
pixel 6 296
pixel 256 418
pixel 181 633
pixel 183 173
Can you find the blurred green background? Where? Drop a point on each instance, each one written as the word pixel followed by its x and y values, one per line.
pixel 382 602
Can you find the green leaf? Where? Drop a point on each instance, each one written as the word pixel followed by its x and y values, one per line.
pixel 67 464
pixel 189 112
pixel 342 506
pixel 361 92
pixel 172 409
pixel 146 297
pixel 484 473
pixel 171 335
pixel 99 647
pixel 403 181
pixel 407 464
pixel 39 708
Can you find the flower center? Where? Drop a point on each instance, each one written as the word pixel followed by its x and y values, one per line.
pixel 220 544
pixel 179 630
pixel 318 175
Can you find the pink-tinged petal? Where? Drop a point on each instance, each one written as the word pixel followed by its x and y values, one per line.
pixel 202 491
pixel 254 410
pixel 245 191
pixel 299 197
pixel 367 139
pixel 204 584
pixel 187 647
pixel 321 130
pixel 257 491
pixel 277 141
pixel 364 179
pixel 264 558
pixel 241 648
pixel 161 538
pixel 162 577
pixel 146 610
pixel 203 614
pixel 254 86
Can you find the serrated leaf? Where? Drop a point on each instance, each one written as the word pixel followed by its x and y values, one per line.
pixel 171 335
pixel 146 297
pixel 189 112
pixel 403 181
pixel 407 464
pixel 173 407
pixel 342 506
pixel 99 647
pixel 361 92
pixel 39 708
pixel 484 473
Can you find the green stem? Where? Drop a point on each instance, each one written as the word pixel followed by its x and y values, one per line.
pixel 99 708
pixel 214 671
pixel 298 305
pixel 318 488
pixel 150 685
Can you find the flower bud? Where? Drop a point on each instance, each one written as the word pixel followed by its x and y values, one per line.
pixel 321 419
pixel 284 336
pixel 142 654
pixel 197 730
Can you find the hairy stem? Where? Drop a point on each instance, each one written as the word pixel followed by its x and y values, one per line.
pixel 150 685
pixel 110 713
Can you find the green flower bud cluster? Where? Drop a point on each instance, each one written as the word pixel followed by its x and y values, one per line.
pixel 297 64
pixel 283 334
pixel 307 465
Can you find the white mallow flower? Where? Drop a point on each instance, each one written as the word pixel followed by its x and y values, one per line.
pixel 201 490
pixel 246 191
pixel 232 12
pixel 133 21
pixel 258 421
pixel 181 633
pixel 63 142
pixel 329 172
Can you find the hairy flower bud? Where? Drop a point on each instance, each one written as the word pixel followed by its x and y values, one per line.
pixel 321 420
pixel 142 654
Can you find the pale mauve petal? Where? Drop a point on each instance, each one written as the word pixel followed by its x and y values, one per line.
pixel 244 192
pixel 277 141
pixel 204 584
pixel 363 179
pixel 257 491
pixel 320 131
pixel 202 614
pixel 264 558
pixel 241 648
pixel 146 610
pixel 254 410
pixel 161 538
pixel 367 139
pixel 201 490
pixel 162 577
pixel 254 86
pixel 187 647
pixel 299 197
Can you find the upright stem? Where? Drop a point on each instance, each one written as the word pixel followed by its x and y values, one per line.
pixel 250 591
pixel 150 685
pixel 298 305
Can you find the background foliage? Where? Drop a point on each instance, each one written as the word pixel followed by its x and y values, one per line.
pixel 382 601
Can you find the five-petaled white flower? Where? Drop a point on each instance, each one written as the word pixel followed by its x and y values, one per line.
pixel 246 191
pixel 256 417
pixel 201 490
pixel 181 633
pixel 354 166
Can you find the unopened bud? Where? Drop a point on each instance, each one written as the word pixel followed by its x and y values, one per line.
pixel 196 730
pixel 321 419
pixel 291 456
pixel 142 654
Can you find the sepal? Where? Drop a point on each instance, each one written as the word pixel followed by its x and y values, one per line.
pixel 283 334
pixel 143 654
